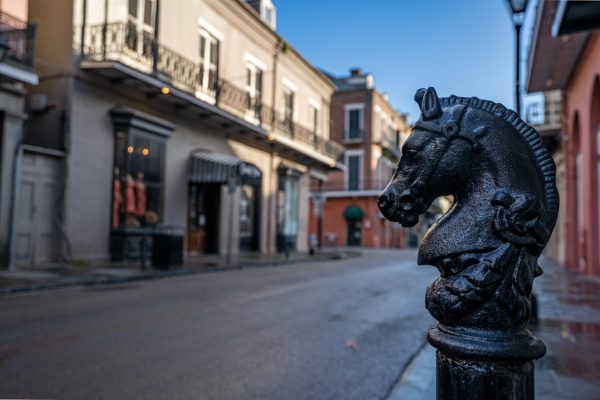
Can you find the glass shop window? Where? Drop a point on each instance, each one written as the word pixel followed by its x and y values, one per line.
pixel 138 180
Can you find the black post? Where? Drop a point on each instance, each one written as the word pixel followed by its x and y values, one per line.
pixel 83 24
pixel 155 38
pixel 104 29
pixel 320 219
pixel 486 247
pixel 517 68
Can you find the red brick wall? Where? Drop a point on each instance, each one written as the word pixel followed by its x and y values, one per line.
pixel 375 232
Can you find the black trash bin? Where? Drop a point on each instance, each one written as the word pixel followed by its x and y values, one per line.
pixel 167 250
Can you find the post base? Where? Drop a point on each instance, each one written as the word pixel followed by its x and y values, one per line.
pixel 460 379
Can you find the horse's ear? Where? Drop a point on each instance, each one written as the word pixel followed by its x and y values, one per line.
pixel 419 96
pixel 429 102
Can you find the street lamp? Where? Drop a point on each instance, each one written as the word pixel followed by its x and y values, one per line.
pixel 517 10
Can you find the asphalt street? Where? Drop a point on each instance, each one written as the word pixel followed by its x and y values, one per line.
pixel 340 329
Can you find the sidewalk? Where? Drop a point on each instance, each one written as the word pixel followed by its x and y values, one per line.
pixel 97 273
pixel 569 313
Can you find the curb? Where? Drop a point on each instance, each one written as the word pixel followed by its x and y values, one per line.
pixel 417 381
pixel 157 274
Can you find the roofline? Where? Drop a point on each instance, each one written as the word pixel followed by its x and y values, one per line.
pixel 532 54
pixel 280 39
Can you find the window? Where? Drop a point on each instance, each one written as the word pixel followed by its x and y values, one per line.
pixel 354 169
pixel 254 78
pixel 209 62
pixel 140 26
pixel 288 102
pixel 138 178
pixel 354 121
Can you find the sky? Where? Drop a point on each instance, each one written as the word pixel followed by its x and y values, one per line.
pixel 461 47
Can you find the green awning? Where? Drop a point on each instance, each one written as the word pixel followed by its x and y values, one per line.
pixel 353 212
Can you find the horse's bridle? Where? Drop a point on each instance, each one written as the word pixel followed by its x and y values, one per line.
pixel 449 131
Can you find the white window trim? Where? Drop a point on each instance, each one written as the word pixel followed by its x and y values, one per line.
pixel 204 24
pixel 249 58
pixel 289 84
pixel 361 120
pixel 347 155
pixel 314 103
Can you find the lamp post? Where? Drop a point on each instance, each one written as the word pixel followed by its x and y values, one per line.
pixel 517 13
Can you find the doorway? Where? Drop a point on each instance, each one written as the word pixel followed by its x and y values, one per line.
pixel 354 232
pixel 36 238
pixel 203 218
pixel 249 217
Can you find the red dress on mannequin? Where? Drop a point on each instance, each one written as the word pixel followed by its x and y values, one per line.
pixel 140 196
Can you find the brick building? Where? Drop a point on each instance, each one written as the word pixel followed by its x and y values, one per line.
pixel 343 208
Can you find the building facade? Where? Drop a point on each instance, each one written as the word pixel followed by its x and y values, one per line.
pixel 343 208
pixel 565 56
pixel 17 46
pixel 191 117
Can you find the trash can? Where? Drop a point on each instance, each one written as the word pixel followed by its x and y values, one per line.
pixel 167 250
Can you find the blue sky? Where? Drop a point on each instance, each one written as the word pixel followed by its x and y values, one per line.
pixel 461 47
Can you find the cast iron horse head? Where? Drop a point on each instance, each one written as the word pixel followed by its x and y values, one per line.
pixel 505 207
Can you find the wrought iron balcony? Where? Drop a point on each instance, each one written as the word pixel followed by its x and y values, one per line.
pixel 121 43
pixel 547 118
pixel 373 185
pixel 391 144
pixel 18 38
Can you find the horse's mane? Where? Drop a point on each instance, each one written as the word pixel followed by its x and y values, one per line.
pixel 543 160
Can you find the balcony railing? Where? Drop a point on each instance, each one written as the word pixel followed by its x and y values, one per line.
pixel 547 118
pixel 351 186
pixel 122 43
pixel 19 39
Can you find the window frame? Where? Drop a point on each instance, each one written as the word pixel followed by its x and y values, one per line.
pixel 130 125
pixel 205 61
pixel 354 153
pixel 360 107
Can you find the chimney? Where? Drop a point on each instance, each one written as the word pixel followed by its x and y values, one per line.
pixel 355 72
pixel 266 10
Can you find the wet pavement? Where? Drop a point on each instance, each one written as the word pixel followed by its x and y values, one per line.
pixel 570 326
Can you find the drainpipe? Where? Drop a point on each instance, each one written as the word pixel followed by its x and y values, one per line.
pixel 13 198
pixel 278 49
pixel 155 41
pixel 104 28
pixel 83 23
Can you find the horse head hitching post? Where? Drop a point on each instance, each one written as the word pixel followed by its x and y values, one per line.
pixel 486 246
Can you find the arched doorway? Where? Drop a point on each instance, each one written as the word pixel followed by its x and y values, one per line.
pixel 353 216
pixel 595 178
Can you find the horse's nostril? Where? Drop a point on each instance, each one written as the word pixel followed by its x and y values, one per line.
pixel 383 201
pixel 407 200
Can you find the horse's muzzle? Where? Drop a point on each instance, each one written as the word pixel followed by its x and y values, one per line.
pixel 390 208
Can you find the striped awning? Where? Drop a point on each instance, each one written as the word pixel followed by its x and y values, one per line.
pixel 206 167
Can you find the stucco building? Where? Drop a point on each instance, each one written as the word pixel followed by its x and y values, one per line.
pixel 565 56
pixel 192 116
pixel 343 208
pixel 17 44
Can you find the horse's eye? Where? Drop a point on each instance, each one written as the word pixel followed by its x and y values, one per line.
pixel 409 153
